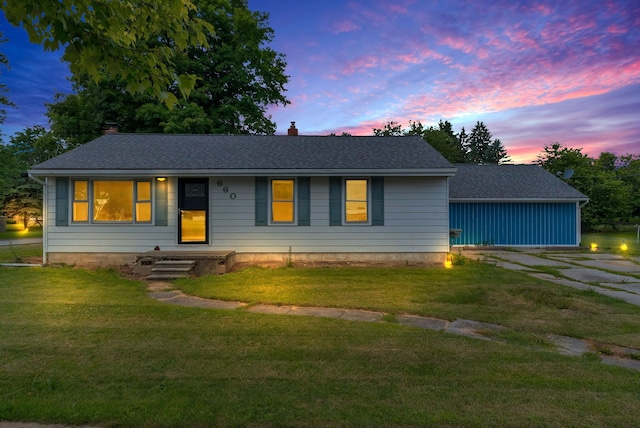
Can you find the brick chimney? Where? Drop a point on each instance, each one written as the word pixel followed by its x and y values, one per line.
pixel 112 128
pixel 292 129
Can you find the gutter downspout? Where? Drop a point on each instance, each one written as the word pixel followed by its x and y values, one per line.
pixel 45 186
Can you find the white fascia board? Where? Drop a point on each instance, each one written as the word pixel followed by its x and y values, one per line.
pixel 431 172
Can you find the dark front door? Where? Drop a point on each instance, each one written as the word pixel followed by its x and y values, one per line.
pixel 193 203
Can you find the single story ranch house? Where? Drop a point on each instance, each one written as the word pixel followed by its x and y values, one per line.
pixel 265 198
pixel 123 197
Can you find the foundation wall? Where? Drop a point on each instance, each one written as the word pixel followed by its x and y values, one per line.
pixel 95 260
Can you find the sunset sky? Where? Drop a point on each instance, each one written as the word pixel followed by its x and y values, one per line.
pixel 534 72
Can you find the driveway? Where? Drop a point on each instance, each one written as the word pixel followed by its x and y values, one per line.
pixel 609 274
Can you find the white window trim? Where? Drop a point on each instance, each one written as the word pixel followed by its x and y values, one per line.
pixel 92 222
pixel 294 222
pixel 344 202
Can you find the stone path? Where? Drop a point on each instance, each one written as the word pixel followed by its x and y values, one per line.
pixel 163 292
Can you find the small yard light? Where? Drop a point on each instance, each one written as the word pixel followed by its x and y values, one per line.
pixel 594 247
pixel 448 263
pixel 624 246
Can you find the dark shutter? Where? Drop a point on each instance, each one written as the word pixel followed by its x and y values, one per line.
pixel 162 204
pixel 304 201
pixel 62 201
pixel 377 201
pixel 261 201
pixel 335 201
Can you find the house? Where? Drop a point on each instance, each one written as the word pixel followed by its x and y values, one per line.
pixel 264 198
pixel 513 205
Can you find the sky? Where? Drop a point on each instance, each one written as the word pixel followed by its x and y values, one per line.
pixel 534 72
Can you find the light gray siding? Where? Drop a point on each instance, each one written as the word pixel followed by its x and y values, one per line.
pixel 415 208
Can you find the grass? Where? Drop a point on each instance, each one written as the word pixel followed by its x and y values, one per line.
pixel 17 231
pixel 21 253
pixel 17 252
pixel 88 347
pixel 473 290
pixel 612 241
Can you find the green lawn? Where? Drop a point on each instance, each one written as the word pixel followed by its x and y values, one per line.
pixel 612 241
pixel 17 231
pixel 85 347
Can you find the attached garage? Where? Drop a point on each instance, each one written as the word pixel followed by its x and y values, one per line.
pixel 513 205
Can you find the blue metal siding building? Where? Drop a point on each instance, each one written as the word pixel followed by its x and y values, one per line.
pixel 513 205
pixel 515 223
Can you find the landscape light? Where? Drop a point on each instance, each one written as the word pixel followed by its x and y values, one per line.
pixel 624 246
pixel 448 263
pixel 594 247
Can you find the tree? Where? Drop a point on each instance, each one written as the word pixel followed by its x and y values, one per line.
pixel 4 98
pixel 117 38
pixel 239 77
pixel 24 196
pixel 481 149
pixel 453 148
pixel 629 172
pixel 390 129
pixel 609 196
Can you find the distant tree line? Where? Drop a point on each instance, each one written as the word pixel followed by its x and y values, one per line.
pixel 611 182
pixel 477 147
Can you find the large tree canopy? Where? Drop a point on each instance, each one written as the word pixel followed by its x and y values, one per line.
pixel 117 38
pixel 239 76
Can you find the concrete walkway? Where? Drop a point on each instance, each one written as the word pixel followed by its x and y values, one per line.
pixel 609 274
pixel 581 271
pixel 19 241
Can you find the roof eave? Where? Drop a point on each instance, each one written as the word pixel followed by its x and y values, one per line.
pixel 412 172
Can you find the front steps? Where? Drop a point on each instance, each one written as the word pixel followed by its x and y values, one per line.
pixel 171 269
pixel 156 262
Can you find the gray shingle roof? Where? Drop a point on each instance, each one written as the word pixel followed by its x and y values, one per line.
pixel 503 182
pixel 251 152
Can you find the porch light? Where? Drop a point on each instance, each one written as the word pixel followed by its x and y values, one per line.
pixel 448 263
pixel 594 247
pixel 624 246
pixel 161 179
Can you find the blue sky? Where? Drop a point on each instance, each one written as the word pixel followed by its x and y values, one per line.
pixel 533 72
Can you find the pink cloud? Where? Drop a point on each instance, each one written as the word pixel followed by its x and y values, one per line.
pixel 360 64
pixel 345 27
pixel 401 8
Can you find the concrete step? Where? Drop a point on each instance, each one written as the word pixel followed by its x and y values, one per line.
pixel 166 276
pixel 172 269
pixel 176 262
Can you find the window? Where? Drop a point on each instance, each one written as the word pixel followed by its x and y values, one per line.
pixel 143 201
pixel 356 204
pixel 282 201
pixel 111 201
pixel 81 201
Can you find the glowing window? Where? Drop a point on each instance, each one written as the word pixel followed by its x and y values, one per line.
pixel 143 201
pixel 282 201
pixel 80 211
pixel 119 201
pixel 113 201
pixel 356 201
